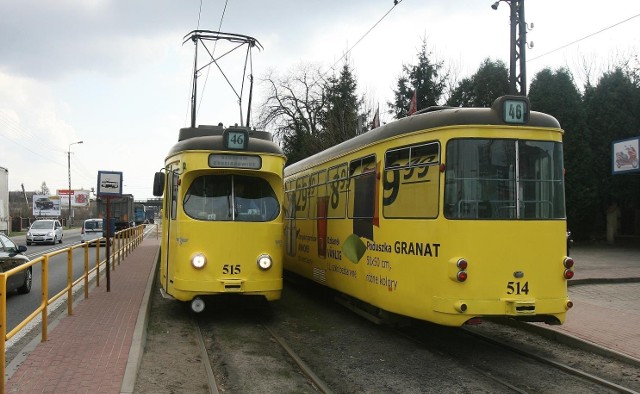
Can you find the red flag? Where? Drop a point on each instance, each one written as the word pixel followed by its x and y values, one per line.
pixel 414 105
pixel 376 119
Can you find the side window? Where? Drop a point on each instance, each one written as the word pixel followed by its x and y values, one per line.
pixel 362 182
pixel 411 181
pixel 302 197
pixel 338 179
pixel 318 195
pixel 174 194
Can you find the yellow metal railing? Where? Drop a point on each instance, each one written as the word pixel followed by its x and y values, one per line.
pixel 122 244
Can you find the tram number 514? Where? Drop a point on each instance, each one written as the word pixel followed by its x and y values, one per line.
pixel 517 288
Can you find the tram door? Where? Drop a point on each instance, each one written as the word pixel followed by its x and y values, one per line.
pixel 171 232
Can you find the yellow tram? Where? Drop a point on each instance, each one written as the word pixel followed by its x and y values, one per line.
pixel 222 223
pixel 447 216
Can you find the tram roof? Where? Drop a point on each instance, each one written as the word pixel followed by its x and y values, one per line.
pixel 431 118
pixel 211 138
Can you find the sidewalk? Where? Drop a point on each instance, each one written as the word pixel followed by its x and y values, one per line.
pixel 605 293
pixel 98 349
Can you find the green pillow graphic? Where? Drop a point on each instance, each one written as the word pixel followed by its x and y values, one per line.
pixel 354 248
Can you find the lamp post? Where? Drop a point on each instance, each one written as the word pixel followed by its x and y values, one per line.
pixel 517 83
pixel 69 169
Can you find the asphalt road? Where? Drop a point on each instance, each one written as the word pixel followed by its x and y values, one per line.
pixel 19 306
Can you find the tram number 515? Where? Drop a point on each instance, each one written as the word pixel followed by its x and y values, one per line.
pixel 517 288
pixel 231 269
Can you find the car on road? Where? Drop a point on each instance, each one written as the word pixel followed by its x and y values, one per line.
pixel 91 229
pixel 11 256
pixel 45 231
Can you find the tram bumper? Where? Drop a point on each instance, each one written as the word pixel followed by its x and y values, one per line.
pixel 185 290
pixel 549 310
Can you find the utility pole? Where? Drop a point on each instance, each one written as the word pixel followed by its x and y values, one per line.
pixel 69 191
pixel 517 82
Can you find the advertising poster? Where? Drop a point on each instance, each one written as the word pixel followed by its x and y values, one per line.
pixel 625 156
pixel 79 198
pixel 46 205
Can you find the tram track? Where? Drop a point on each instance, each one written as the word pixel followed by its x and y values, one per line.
pixel 244 353
pixel 283 347
pixel 212 381
pixel 553 363
pixel 529 360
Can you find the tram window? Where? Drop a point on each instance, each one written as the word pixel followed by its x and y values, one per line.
pixel 231 198
pixel 174 194
pixel 504 179
pixel 411 181
pixel 362 187
pixel 337 191
pixel 290 213
pixel 317 195
pixel 302 197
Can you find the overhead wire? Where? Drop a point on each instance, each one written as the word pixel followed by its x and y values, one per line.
pixel 583 38
pixel 395 3
pixel 224 10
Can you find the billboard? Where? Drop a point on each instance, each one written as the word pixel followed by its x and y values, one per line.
pixel 79 198
pixel 625 156
pixel 46 205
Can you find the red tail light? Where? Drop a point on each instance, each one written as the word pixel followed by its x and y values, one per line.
pixel 568 262
pixel 462 264
pixel 462 276
pixel 568 274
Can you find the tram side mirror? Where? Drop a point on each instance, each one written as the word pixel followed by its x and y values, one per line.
pixel 158 184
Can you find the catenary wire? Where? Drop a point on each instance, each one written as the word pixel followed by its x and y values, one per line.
pixel 583 38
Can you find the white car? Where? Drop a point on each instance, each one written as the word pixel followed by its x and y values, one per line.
pixel 91 229
pixel 45 231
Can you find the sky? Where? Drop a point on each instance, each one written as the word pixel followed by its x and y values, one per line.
pixel 115 74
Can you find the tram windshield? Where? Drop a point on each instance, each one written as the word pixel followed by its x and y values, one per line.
pixel 504 179
pixel 231 198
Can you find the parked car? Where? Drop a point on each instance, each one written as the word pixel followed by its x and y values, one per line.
pixel 45 231
pixel 11 256
pixel 91 229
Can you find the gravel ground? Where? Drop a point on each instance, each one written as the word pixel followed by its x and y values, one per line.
pixel 349 353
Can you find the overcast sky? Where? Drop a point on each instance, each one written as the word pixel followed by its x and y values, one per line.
pixel 114 73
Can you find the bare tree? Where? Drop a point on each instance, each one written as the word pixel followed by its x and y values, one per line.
pixel 293 109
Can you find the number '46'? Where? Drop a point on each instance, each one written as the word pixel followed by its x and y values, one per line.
pixel 517 288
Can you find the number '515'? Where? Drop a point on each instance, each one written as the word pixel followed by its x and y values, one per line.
pixel 231 269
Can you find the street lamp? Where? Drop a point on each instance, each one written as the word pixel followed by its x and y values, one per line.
pixel 69 169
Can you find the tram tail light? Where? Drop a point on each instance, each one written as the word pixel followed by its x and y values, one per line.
pixel 568 265
pixel 462 265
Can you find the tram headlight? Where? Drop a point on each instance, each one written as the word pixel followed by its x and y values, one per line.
pixel 264 262
pixel 198 261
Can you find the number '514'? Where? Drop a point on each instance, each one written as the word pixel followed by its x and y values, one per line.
pixel 517 288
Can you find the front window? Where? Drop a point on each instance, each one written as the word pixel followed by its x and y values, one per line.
pixel 42 225
pixel 231 198
pixel 504 179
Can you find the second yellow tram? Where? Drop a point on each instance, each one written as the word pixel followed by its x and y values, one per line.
pixel 446 216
